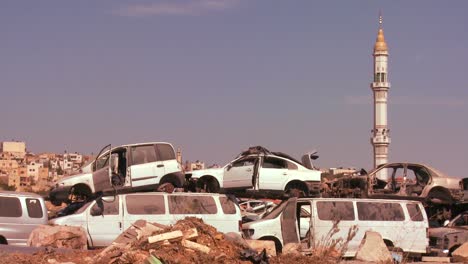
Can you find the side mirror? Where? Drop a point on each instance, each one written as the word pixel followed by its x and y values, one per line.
pixel 229 167
pixel 446 222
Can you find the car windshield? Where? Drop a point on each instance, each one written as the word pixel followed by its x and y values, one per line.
pixel 79 211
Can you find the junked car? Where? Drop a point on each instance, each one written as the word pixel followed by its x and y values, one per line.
pixel 105 218
pixel 344 221
pixel 445 240
pixel 20 214
pixel 135 167
pixel 410 180
pixel 260 170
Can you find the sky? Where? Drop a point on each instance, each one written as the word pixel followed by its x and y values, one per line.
pixel 214 77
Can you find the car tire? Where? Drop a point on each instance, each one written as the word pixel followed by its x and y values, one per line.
pixel 166 187
pixel 439 196
pixel 208 186
pixel 295 190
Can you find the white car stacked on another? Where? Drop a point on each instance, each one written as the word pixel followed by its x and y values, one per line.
pixel 260 170
pixel 136 167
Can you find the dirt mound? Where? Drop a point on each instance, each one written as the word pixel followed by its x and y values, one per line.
pixel 220 250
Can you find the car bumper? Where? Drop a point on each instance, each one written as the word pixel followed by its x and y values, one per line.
pixel 314 188
pixel 59 194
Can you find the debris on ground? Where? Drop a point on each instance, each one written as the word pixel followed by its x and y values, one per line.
pixel 69 237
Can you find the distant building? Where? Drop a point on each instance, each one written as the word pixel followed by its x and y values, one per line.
pixel 197 165
pixel 33 170
pixel 15 148
pixel 345 171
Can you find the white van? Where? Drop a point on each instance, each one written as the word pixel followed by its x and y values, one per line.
pixel 106 218
pixel 20 214
pixel 402 224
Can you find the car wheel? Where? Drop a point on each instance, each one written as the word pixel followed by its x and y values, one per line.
pixel 55 202
pixel 208 186
pixel 166 187
pixel 295 190
pixel 79 193
pixel 439 197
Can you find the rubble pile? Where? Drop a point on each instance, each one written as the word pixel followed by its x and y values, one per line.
pixel 188 241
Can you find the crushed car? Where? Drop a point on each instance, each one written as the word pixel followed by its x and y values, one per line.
pixel 397 180
pixel 259 170
pixel 252 210
pixel 127 168
pixel 445 240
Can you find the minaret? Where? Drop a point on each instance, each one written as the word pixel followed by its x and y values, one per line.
pixel 380 134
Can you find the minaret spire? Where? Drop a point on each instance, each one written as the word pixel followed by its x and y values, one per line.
pixel 380 134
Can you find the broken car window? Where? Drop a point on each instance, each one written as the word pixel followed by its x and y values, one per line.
pixel 368 211
pixel 10 207
pixel 102 162
pixel 143 154
pixel 274 163
pixel 166 152
pixel 145 204
pixel 249 161
pixel 335 211
pixel 228 206
pixel 414 212
pixel 34 208
pixel 110 207
pixel 192 204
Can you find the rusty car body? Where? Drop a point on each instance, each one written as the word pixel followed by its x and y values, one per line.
pixel 399 180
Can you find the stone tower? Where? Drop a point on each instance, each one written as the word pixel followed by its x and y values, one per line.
pixel 380 134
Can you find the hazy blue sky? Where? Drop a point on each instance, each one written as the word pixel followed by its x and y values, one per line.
pixel 214 77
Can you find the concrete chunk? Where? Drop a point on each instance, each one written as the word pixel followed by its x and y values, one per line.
pixel 373 249
pixel 461 253
pixel 259 245
pixel 166 236
pixel 193 245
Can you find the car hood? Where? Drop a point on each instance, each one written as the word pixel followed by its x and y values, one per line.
pixel 441 231
pixel 74 177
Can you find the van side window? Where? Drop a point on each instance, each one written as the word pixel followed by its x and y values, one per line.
pixel 145 204
pixel 166 152
pixel 110 207
pixel 10 207
pixel 143 154
pixel 371 211
pixel 415 212
pixel 228 206
pixel 192 205
pixel 34 208
pixel 336 211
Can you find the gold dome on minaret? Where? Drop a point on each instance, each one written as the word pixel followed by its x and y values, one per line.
pixel 380 44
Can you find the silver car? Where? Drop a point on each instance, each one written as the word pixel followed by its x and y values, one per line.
pixel 20 214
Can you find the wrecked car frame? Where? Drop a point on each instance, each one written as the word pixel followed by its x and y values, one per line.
pixel 398 180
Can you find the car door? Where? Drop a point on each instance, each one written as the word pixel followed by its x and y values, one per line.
pixel 146 168
pixel 239 173
pixel 105 227
pixel 273 173
pixel 101 170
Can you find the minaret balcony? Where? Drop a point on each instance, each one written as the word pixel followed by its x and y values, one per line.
pixel 380 140
pixel 384 85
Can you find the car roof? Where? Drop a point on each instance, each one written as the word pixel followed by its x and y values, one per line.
pixel 171 194
pixel 145 143
pixel 19 194
pixel 358 200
